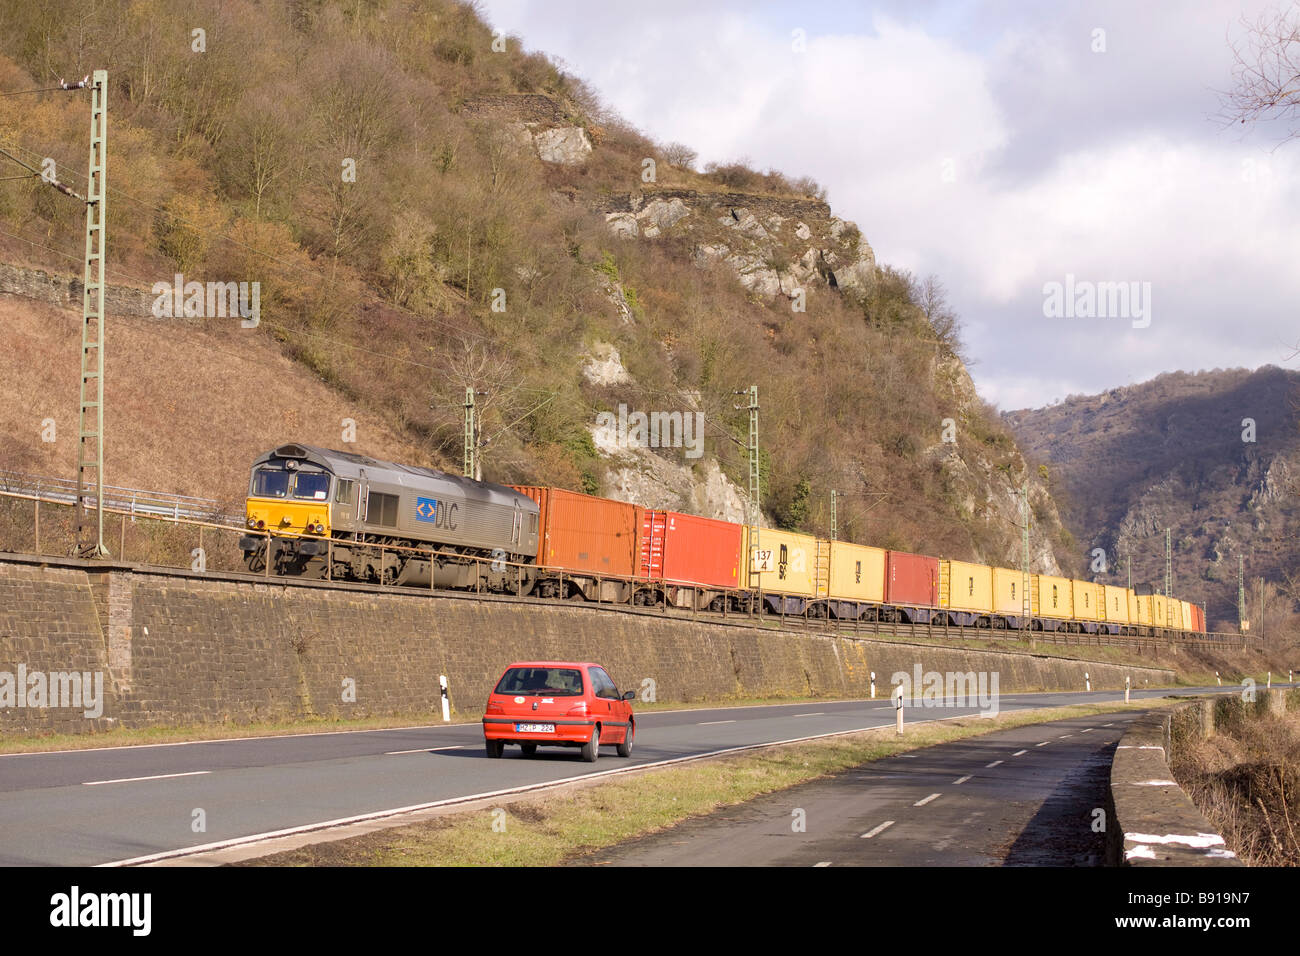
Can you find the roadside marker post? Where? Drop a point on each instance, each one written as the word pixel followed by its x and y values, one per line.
pixel 898 707
pixel 446 707
pixel 1218 679
pixel 1087 682
pixel 873 685
pixel 1126 687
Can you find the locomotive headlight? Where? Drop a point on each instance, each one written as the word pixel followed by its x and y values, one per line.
pixel 252 522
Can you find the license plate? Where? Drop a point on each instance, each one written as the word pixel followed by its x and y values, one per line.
pixel 534 728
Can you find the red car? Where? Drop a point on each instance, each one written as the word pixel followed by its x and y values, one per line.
pixel 558 704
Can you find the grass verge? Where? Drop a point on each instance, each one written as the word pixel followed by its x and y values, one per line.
pixel 560 826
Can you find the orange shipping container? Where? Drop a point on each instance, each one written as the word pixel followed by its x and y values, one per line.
pixel 583 533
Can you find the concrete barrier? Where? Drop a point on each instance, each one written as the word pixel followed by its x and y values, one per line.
pixel 1153 822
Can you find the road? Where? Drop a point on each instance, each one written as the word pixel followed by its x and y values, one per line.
pixel 1027 796
pixel 112 805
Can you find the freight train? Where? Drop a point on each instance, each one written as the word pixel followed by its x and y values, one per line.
pixel 344 516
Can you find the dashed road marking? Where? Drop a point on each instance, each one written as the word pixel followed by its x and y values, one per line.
pixel 1063 736
pixel 1087 730
pixel 422 750
pixel 705 723
pixel 1019 752
pixel 924 800
pixel 818 713
pixel 880 829
pixel 160 776
pixel 961 779
pixel 826 863
pixel 1043 744
pixel 990 766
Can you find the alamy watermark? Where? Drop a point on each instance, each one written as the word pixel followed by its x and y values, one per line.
pixel 208 300
pixel 1085 299
pixel 949 689
pixel 655 429
pixel 37 690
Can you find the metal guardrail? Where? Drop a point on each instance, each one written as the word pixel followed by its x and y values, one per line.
pixel 133 501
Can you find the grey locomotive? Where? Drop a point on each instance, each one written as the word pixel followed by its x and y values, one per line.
pixel 351 517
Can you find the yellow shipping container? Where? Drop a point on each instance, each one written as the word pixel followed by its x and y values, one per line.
pixel 1117 602
pixel 1186 608
pixel 1144 609
pixel 785 562
pixel 1085 595
pixel 1052 597
pixel 965 587
pixel 1008 592
pixel 1160 610
pixel 857 572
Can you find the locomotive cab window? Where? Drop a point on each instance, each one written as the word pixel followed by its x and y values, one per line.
pixel 312 486
pixel 270 483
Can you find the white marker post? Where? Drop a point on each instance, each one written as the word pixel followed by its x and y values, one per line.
pixel 898 707
pixel 1218 679
pixel 1126 686
pixel 446 707
pixel 1270 680
pixel 1087 682
pixel 873 685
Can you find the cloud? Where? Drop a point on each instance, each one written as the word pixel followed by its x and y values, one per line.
pixel 994 147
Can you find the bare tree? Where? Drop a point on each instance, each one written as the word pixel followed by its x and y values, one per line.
pixel 1266 72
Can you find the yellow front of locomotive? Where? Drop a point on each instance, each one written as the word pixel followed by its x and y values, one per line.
pixel 289 500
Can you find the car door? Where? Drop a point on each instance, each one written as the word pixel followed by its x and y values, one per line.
pixel 609 706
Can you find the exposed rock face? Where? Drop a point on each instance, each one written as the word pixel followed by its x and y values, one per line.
pixel 567 145
pixel 775 245
pixel 604 366
pixel 982 488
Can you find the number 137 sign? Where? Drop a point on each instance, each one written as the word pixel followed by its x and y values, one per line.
pixel 763 560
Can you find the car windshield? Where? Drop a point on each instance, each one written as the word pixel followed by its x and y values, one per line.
pixel 542 681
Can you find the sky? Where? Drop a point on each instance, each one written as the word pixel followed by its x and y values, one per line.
pixel 1027 154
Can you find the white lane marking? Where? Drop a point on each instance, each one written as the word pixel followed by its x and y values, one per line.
pixel 961 779
pixel 924 800
pixel 1019 752
pixel 255 838
pixel 880 829
pixel 705 723
pixel 1043 744
pixel 422 750
pixel 913 756
pixel 1087 730
pixel 1108 725
pixel 827 863
pixel 819 713
pixel 990 766
pixel 160 776
pixel 1063 736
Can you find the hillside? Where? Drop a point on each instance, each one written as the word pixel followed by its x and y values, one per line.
pixel 1175 452
pixel 428 208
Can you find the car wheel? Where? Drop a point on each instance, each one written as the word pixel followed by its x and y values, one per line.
pixel 528 749
pixel 591 749
pixel 625 748
pixel 495 747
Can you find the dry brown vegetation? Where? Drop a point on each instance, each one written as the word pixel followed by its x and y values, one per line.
pixel 1246 780
pixel 227 164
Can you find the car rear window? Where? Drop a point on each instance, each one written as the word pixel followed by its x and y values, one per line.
pixel 542 681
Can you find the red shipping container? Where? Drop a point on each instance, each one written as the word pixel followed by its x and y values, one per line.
pixel 687 548
pixel 912 580
pixel 578 532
